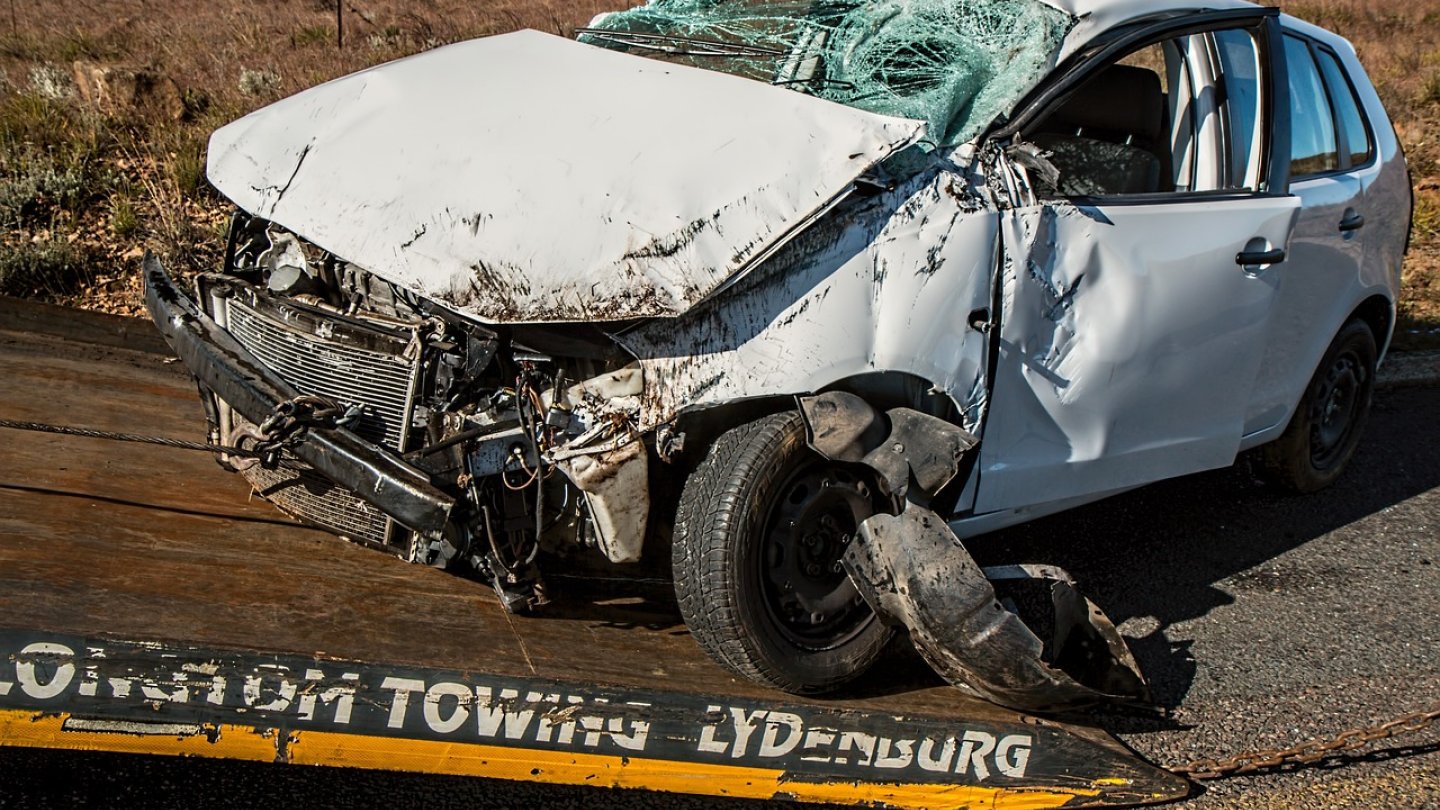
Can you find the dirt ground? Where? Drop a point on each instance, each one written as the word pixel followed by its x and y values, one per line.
pixel 83 195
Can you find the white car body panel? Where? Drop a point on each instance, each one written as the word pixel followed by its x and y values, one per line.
pixel 883 285
pixel 526 177
pixel 1327 275
pixel 1125 357
pixel 1320 261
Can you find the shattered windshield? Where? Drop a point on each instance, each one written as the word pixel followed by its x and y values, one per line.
pixel 955 64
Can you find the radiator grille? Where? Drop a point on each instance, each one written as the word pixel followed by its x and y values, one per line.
pixel 381 383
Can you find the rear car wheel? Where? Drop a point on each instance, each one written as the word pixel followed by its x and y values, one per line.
pixel 759 532
pixel 1325 430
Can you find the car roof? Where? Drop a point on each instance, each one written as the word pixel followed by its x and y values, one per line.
pixel 1096 16
pixel 1317 33
pixel 1113 12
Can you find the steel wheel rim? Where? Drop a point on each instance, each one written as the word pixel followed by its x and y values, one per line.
pixel 808 598
pixel 1334 409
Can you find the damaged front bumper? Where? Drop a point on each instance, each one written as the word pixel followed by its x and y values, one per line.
pixel 233 373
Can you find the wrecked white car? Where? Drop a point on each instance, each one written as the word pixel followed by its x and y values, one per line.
pixel 807 291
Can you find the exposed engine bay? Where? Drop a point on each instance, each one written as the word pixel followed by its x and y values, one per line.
pixel 530 428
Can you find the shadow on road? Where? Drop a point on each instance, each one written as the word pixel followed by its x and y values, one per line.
pixel 1159 553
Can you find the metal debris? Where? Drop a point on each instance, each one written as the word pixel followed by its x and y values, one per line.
pixel 913 570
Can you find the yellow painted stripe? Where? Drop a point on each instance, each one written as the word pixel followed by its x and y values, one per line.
pixel 326 748
pixel 36 730
pixel 31 729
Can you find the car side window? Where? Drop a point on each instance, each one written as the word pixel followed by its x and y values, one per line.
pixel 1314 149
pixel 1178 116
pixel 1358 147
pixel 1113 135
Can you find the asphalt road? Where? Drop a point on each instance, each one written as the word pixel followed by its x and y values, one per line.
pixel 1260 619
pixel 1264 620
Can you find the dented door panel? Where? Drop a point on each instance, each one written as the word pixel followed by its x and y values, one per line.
pixel 1129 343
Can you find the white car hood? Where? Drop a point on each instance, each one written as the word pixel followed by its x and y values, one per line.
pixel 530 178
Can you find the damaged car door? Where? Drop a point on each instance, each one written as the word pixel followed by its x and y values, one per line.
pixel 1139 287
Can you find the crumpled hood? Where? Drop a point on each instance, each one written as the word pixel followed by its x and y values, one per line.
pixel 530 178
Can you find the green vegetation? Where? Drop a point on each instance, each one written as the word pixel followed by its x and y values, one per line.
pixel 124 221
pixel 313 35
pixel 1427 215
pixel 53 160
pixel 1430 91
pixel 50 268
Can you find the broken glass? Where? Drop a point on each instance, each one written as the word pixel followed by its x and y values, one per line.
pixel 955 64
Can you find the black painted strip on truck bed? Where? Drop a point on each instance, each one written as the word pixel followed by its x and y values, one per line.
pixel 65 691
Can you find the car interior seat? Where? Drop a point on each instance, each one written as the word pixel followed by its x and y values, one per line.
pixel 1111 136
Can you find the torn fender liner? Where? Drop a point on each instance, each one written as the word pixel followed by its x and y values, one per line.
pixel 899 444
pixel 912 570
pixel 231 371
pixel 527 178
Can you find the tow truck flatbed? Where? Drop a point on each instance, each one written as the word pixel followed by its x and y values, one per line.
pixel 148 606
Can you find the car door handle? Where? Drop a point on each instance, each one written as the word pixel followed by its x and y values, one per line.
pixel 1251 258
pixel 1352 222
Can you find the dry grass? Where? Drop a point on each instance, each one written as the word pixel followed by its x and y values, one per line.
pixel 82 195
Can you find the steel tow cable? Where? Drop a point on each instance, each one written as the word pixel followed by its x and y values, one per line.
pixel 90 433
pixel 1307 752
pixel 286 424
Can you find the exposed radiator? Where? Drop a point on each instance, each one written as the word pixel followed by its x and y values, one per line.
pixel 382 383
pixel 347 363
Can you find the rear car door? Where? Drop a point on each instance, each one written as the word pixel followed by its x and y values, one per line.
pixel 1331 150
pixel 1139 290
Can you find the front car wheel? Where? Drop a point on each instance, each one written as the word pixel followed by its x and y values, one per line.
pixel 760 530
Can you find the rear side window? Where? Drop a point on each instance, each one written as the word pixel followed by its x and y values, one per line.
pixel 1314 148
pixel 1354 134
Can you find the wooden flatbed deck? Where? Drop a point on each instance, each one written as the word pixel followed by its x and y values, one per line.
pixel 185 585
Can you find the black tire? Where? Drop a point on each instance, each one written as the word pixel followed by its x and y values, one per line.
pixel 755 522
pixel 1325 430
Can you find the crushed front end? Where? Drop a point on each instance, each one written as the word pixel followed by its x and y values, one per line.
pixel 474 345
pixel 371 412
